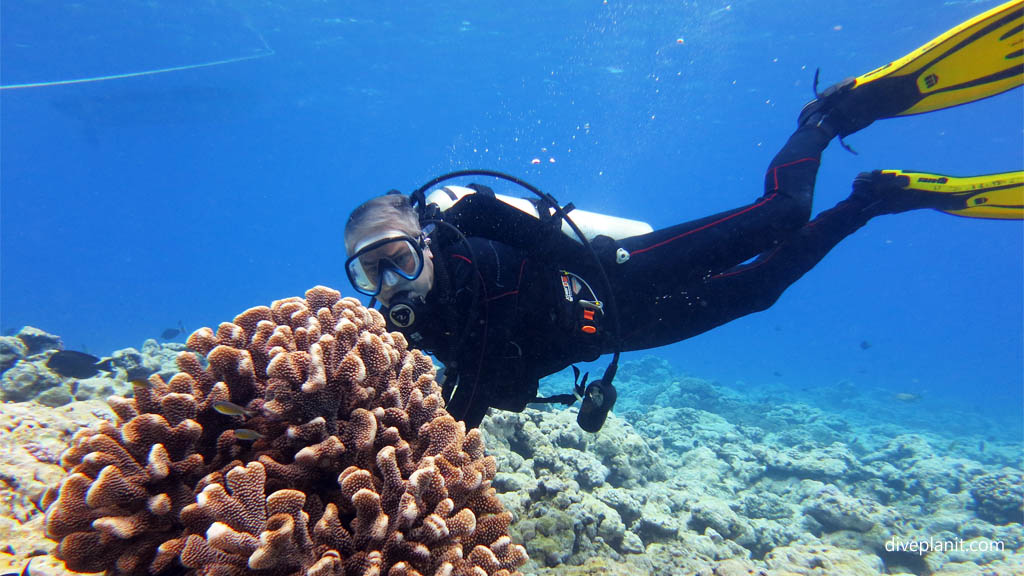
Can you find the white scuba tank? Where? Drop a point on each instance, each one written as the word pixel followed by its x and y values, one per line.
pixel 591 224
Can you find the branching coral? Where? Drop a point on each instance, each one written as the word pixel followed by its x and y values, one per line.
pixel 341 460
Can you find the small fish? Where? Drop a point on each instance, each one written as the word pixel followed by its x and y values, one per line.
pixel 172 333
pixel 72 364
pixel 247 434
pixel 232 409
pixel 906 397
pixel 864 344
pixel 981 445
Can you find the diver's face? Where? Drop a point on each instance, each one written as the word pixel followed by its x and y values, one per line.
pixel 391 260
pixel 393 284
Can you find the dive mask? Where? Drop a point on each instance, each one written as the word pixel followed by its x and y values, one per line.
pixel 384 261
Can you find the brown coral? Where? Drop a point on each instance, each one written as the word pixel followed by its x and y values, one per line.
pixel 356 470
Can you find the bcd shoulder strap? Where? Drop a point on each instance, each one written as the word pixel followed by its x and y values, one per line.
pixel 485 216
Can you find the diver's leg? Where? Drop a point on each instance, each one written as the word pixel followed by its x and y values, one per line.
pixel 709 245
pixel 756 286
pixel 656 318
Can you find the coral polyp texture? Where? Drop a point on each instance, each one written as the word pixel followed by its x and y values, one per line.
pixel 310 441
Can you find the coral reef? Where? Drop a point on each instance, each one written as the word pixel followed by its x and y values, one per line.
pixel 774 487
pixel 305 440
pixel 671 489
pixel 577 495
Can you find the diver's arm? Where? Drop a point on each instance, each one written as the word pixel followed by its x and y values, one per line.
pixel 490 363
pixel 501 384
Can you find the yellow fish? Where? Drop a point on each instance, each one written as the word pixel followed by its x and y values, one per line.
pixel 246 434
pixel 232 409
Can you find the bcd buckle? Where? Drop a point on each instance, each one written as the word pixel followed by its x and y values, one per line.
pixel 590 314
pixel 586 313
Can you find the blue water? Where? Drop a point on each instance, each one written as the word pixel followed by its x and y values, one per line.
pixel 131 204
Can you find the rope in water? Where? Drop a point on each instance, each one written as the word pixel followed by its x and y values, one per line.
pixel 268 52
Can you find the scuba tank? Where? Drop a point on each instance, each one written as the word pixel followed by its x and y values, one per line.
pixel 592 224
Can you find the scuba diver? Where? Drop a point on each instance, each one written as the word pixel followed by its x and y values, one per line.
pixel 504 291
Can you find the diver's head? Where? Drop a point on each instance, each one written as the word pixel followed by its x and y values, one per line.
pixel 388 253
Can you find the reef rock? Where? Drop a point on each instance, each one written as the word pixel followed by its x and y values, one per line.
pixel 12 349
pixel 822 559
pixel 577 495
pixel 999 497
pixel 812 462
pixel 37 341
pixel 100 388
pixel 155 358
pixel 837 511
pixel 31 440
pixel 28 380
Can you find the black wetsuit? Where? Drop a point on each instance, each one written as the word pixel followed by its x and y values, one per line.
pixel 677 282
